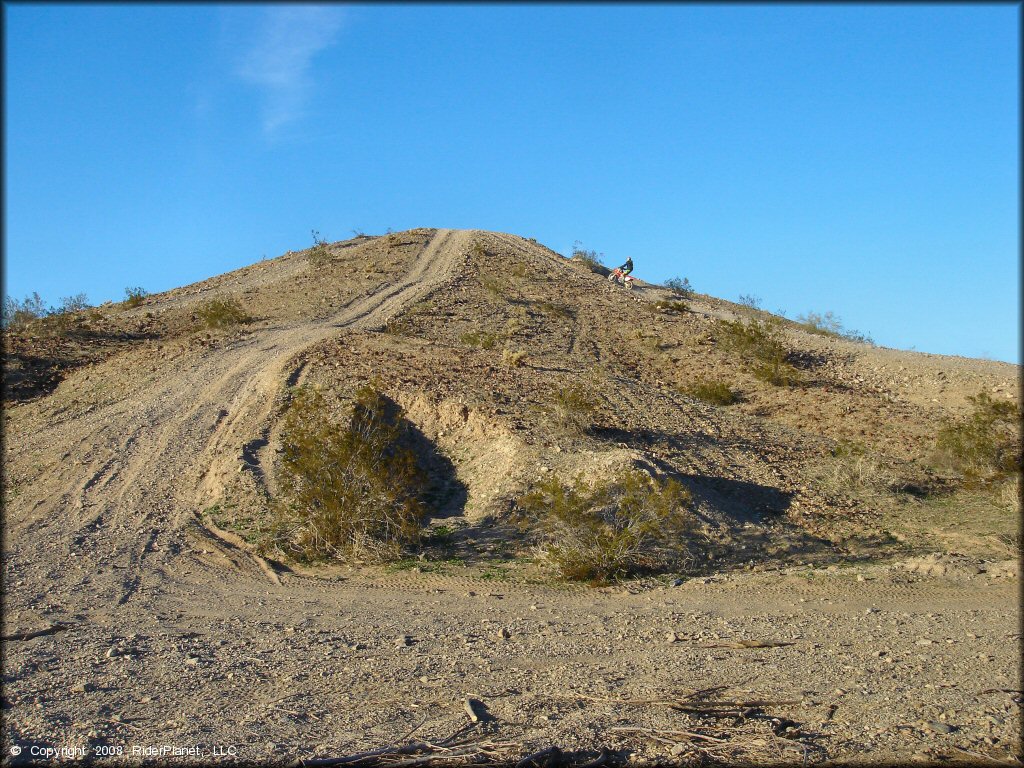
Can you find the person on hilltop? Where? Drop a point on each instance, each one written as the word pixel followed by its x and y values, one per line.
pixel 626 268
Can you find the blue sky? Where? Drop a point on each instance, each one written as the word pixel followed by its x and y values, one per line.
pixel 858 159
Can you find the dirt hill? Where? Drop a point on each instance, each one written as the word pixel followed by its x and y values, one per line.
pixel 143 445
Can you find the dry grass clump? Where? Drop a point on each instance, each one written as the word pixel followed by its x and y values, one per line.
pixel 829 324
pixel 627 524
pixel 713 392
pixel 984 448
pixel 759 343
pixel 352 489
pixel 222 313
pixel 856 471
pixel 573 407
pixel 513 358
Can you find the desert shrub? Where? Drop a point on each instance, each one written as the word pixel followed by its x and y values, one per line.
pixel 985 446
pixel 513 358
pixel 519 321
pixel 672 306
pixel 680 286
pixel 592 259
pixel 348 489
pixel 396 326
pixel 830 324
pixel 713 392
pixel 759 342
pixel 16 314
pixel 749 301
pixel 75 303
pixel 628 524
pixel 573 407
pixel 494 285
pixel 320 253
pixel 553 309
pixel 853 470
pixel 222 313
pixel 481 339
pixel 519 270
pixel 133 296
pixel 776 372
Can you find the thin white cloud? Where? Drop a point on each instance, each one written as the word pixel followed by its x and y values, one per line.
pixel 278 59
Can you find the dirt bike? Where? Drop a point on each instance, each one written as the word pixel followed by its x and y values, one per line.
pixel 620 277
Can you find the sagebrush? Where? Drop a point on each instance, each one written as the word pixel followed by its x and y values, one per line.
pixel 628 524
pixel 222 313
pixel 348 489
pixel 759 343
pixel 714 392
pixel 680 286
pixel 984 447
pixel 573 407
pixel 592 259
pixel 320 253
pixel 134 296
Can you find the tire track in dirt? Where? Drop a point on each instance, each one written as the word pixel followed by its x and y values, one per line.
pixel 141 498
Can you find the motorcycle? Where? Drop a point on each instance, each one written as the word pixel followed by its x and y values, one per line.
pixel 620 277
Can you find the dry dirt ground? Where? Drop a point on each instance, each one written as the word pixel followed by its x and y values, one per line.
pixel 826 617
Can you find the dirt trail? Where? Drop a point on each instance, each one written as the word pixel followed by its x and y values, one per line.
pixel 131 621
pixel 162 451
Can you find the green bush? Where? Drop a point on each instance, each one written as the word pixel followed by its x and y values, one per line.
pixel 759 343
pixel 133 296
pixel 713 392
pixel 222 313
pixel 628 524
pixel 353 489
pixel 481 339
pixel 985 446
pixel 672 306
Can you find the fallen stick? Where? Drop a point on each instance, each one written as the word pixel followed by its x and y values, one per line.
pixel 29 634
pixel 538 757
pixel 747 644
pixel 688 734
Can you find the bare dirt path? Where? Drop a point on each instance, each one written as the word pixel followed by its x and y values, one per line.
pixel 135 472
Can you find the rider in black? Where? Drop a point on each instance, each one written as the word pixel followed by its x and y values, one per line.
pixel 627 267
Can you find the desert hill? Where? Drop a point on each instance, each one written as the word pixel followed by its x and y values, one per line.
pixel 143 441
pixel 479 336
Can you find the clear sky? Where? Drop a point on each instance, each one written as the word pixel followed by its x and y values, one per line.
pixel 858 159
